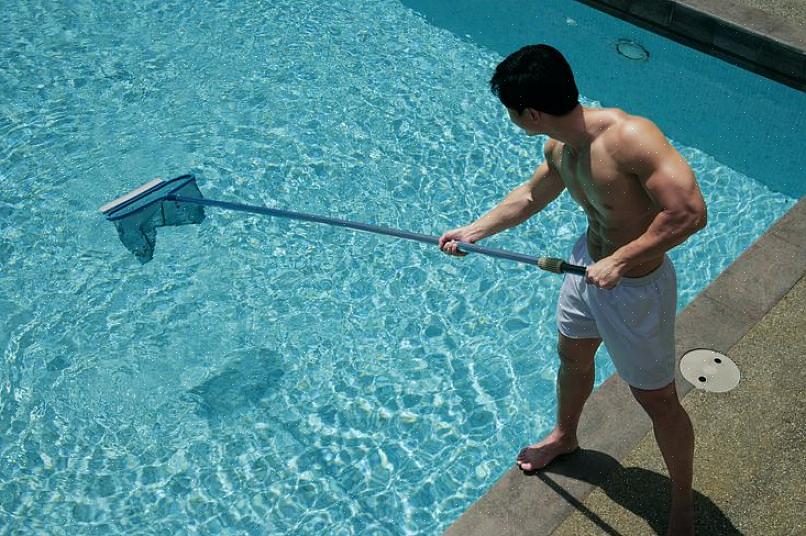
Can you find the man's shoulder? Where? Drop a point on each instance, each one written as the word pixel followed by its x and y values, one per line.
pixel 637 145
pixel 631 128
pixel 630 135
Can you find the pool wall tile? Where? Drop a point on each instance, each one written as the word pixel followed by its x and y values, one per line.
pixel 692 23
pixel 623 5
pixel 789 60
pixel 734 40
pixel 656 11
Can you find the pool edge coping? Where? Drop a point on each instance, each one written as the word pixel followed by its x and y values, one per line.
pixel 745 36
pixel 612 423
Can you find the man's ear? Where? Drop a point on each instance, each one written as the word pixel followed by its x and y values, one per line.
pixel 533 114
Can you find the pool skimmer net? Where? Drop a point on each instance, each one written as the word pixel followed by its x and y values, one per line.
pixel 160 203
pixel 709 370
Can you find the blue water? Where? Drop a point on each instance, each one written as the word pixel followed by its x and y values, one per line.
pixel 261 376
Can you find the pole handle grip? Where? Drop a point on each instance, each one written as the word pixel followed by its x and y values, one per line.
pixel 573 269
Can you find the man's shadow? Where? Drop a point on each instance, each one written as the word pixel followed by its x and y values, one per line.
pixel 644 493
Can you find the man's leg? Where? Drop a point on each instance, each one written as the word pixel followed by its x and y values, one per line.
pixel 574 385
pixel 675 437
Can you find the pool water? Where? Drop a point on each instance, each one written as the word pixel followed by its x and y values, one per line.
pixel 262 376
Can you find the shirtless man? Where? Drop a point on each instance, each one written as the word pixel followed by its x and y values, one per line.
pixel 641 199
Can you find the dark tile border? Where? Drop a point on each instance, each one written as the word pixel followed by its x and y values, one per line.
pixel 613 423
pixel 748 37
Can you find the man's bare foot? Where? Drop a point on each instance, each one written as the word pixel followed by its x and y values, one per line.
pixel 541 454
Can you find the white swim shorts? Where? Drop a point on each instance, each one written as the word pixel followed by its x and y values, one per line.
pixel 635 319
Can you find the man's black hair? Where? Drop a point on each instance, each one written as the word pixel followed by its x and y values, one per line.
pixel 538 77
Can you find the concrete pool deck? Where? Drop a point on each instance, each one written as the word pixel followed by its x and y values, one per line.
pixel 748 464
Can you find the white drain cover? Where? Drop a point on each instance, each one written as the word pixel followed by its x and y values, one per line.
pixel 709 370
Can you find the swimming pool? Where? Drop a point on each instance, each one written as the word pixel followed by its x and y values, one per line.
pixel 261 376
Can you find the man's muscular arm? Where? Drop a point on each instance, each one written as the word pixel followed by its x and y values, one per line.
pixel 669 181
pixel 520 204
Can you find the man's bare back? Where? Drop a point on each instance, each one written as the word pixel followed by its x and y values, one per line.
pixel 616 204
